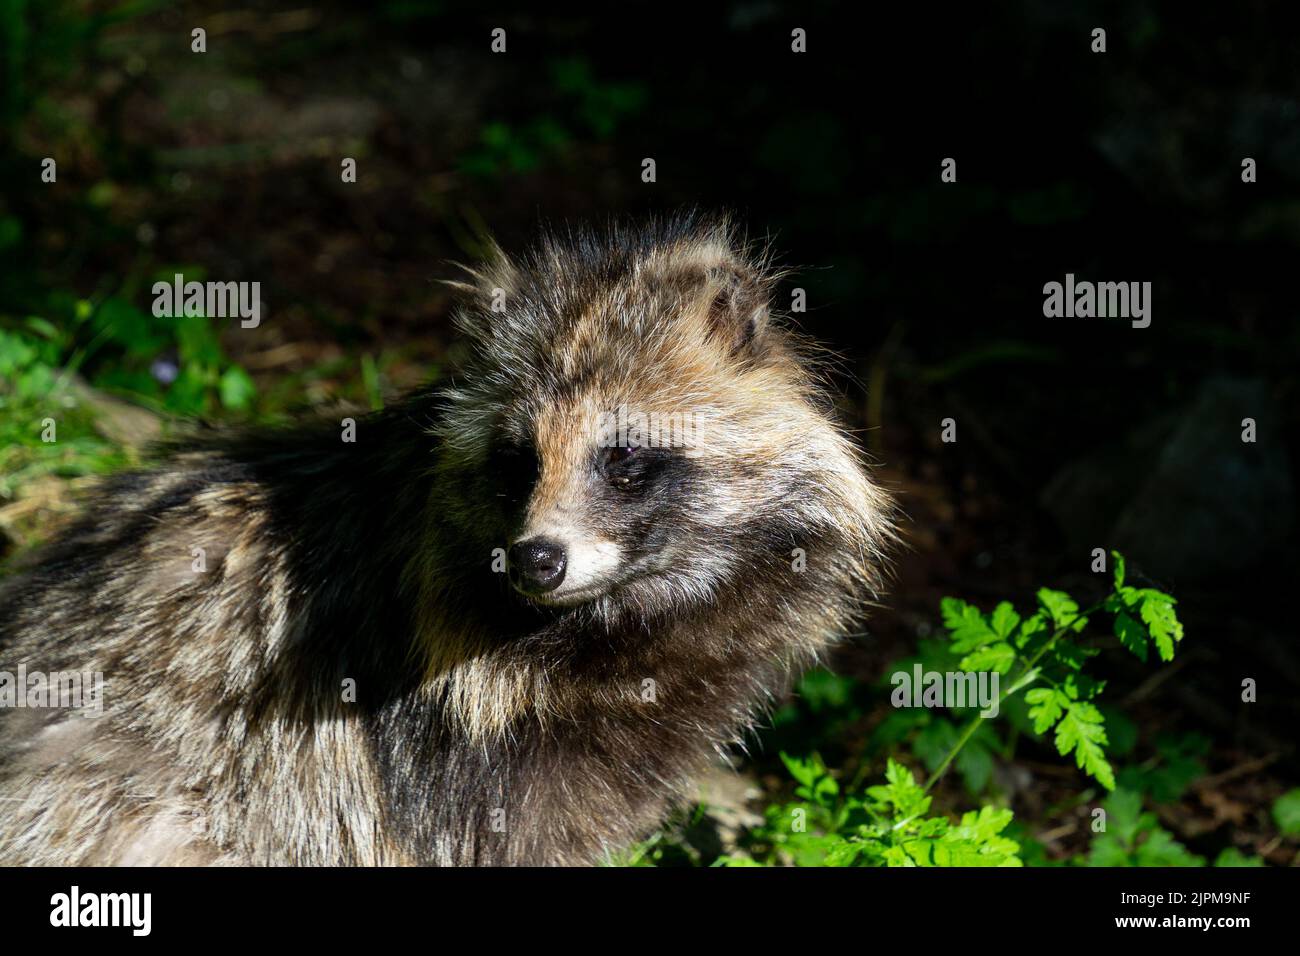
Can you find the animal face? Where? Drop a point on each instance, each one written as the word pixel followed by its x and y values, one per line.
pixel 598 500
pixel 644 430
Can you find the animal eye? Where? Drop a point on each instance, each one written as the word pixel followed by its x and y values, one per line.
pixel 618 455
pixel 621 465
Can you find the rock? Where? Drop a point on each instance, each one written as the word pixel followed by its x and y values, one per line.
pixel 1182 495
pixel 118 420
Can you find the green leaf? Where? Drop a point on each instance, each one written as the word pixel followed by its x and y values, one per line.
pixel 801 770
pixel 189 394
pixel 1166 630
pixel 967 624
pixel 934 741
pixel 42 327
pixel 1131 634
pixel 895 728
pixel 120 322
pixel 1071 656
pixel 237 389
pixel 1286 813
pixel 975 764
pixel 16 353
pixel 953 611
pixel 995 657
pixel 1059 606
pixel 815 782
pixel 845 854
pixel 1231 856
pixel 1118 569
pixel 197 342
pixel 977 841
pixel 1161 849
pixel 1047 704
pixel 985 824
pixel 974 761
pixel 1107 852
pixel 1079 686
pixel 1124 821
pixel 822 690
pixel 1124 816
pixel 1179 763
pixel 1004 619
pixel 1032 629
pixel 897 856
pixel 903 793
pixel 1082 731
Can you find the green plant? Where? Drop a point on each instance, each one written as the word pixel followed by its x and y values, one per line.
pixel 49 425
pixel 50 335
pixel 1231 856
pixel 1041 653
pixel 44 428
pixel 1132 837
pixel 174 363
pixel 1286 813
pixel 1178 761
pixel 885 825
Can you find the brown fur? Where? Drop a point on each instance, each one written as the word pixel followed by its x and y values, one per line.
pixel 487 727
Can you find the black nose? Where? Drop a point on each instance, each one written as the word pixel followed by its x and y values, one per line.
pixel 537 565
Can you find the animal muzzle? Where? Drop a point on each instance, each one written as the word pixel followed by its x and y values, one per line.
pixel 537 565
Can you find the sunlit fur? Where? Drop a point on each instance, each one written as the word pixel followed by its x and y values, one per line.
pixel 488 727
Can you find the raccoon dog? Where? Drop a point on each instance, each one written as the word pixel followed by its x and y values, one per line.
pixel 504 624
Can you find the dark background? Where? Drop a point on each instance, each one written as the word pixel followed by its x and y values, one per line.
pixel 1073 434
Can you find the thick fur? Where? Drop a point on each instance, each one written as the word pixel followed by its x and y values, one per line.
pixel 487 727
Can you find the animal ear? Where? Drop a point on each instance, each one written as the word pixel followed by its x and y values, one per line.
pixel 738 310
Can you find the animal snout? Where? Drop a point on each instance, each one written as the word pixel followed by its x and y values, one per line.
pixel 537 565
